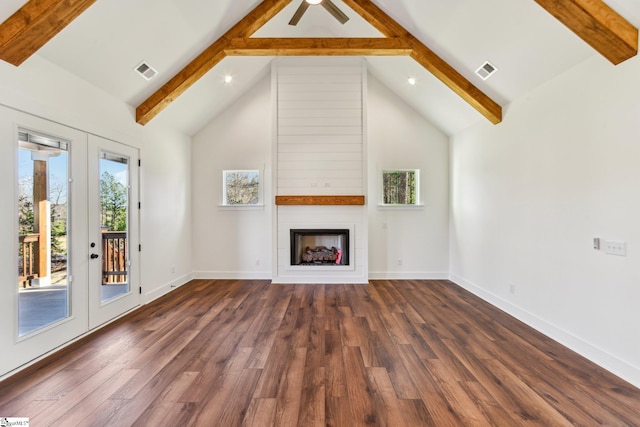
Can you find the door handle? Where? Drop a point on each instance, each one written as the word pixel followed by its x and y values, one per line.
pixel 94 256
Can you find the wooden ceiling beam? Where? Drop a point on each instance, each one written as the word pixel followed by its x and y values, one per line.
pixel 34 24
pixel 429 59
pixel 318 47
pixel 597 24
pixel 208 59
pixel 398 41
pixel 486 106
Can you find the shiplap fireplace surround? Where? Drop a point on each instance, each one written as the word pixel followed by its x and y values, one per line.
pixel 320 161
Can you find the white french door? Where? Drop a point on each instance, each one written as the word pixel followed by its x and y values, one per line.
pixel 113 229
pixel 49 287
pixel 72 262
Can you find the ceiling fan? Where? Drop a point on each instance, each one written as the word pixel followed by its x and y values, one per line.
pixel 327 4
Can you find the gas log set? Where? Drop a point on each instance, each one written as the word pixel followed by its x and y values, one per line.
pixel 322 255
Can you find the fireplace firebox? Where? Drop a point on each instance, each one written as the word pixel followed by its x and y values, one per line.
pixel 324 247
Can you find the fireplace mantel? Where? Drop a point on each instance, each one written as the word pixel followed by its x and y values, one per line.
pixel 321 200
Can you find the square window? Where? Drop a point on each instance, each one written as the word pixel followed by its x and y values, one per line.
pixel 240 187
pixel 401 187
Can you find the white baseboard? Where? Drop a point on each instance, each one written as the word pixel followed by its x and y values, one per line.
pixel 408 275
pixel 323 280
pixel 374 275
pixel 621 368
pixel 166 288
pixel 232 275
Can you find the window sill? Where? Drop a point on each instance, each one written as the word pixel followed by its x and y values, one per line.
pixel 241 207
pixel 382 207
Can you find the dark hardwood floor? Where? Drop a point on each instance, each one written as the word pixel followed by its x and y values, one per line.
pixel 392 353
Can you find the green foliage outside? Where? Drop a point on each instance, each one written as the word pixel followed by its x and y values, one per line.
pixel 113 203
pixel 399 187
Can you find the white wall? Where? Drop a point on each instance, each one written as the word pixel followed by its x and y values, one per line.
pixel 529 195
pixel 39 88
pixel 226 243
pixel 320 149
pixel 418 238
pixel 233 242
pixel 320 132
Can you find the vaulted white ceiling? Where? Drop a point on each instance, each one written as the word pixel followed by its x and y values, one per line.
pixel 525 43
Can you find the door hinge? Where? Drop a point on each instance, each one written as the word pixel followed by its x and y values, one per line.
pixel 139 205
pixel 140 289
pixel 139 248
pixel 139 162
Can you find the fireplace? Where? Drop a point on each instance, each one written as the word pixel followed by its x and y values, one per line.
pixel 319 247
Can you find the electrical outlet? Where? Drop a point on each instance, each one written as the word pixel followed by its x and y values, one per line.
pixel 615 248
pixel 384 225
pixel 399 261
pixel 512 288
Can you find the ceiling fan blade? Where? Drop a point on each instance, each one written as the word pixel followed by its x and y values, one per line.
pixel 333 10
pixel 301 10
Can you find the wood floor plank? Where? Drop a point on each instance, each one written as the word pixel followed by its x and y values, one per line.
pixel 251 353
pixel 236 385
pixel 260 413
pixel 105 414
pixel 166 409
pixel 440 410
pixel 89 404
pixel 70 399
pixel 363 407
pixel 312 399
pixel 316 344
pixel 336 379
pixel 290 390
pixel 492 411
pixel 390 411
pixel 164 353
pixel 338 412
pixel 449 387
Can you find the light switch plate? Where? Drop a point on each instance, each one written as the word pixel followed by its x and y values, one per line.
pixel 615 248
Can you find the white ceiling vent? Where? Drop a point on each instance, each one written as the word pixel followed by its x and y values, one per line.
pixel 145 70
pixel 486 70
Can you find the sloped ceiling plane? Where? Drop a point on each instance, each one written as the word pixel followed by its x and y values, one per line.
pixel 38 21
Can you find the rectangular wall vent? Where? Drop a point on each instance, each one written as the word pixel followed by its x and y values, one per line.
pixel 486 70
pixel 146 70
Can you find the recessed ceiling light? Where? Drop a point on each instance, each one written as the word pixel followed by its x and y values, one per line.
pixel 412 81
pixel 486 70
pixel 314 1
pixel 145 70
pixel 228 78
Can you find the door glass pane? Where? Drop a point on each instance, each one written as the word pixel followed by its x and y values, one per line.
pixel 43 226
pixel 114 215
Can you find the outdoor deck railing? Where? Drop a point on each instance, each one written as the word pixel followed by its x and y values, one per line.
pixel 114 257
pixel 28 267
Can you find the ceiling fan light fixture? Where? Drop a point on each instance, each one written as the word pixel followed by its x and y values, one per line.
pixel 329 5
